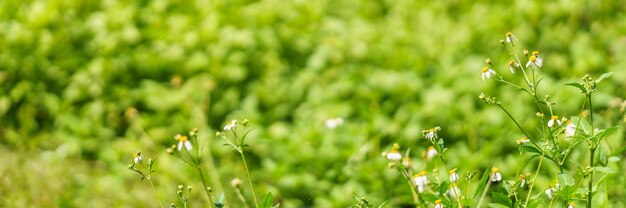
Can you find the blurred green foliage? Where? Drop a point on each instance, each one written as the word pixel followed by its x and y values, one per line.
pixel 84 84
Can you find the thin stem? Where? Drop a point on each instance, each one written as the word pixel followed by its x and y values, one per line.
pixel 482 196
pixel 518 125
pixel 592 150
pixel 534 178
pixel 414 192
pixel 245 165
pixel 155 191
pixel 206 188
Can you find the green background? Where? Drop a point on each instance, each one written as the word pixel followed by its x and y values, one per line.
pixel 85 84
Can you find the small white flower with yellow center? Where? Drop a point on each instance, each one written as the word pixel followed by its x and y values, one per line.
pixel 421 181
pixel 406 162
pixel 550 191
pixel 513 66
pixel 534 60
pixel 454 191
pixel 183 141
pixel 510 37
pixel 393 155
pixel 538 59
pixel 522 181
pixel 454 176
pixel 230 125
pixel 431 153
pixel 495 175
pixel 137 157
pixel 334 122
pixel 571 205
pixel 487 72
pixel 570 129
pixel 522 141
pixel 438 203
pixel 554 120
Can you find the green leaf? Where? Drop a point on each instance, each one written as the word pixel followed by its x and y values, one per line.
pixel 606 132
pixel 603 76
pixel 602 157
pixel 581 124
pixel 579 86
pixel 494 205
pixel 219 202
pixel 443 187
pixel 267 201
pixel 483 182
pixel 565 179
pixel 533 149
pixel 502 199
pixel 429 197
pixel 600 169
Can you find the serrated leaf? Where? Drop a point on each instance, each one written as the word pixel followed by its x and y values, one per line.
pixel 579 86
pixel 443 187
pixel 606 170
pixel 603 76
pixel 429 197
pixel 502 199
pixel 267 201
pixel 494 205
pixel 602 157
pixel 565 179
pixel 581 124
pixel 483 182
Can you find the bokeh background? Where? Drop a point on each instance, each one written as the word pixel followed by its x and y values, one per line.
pixel 85 84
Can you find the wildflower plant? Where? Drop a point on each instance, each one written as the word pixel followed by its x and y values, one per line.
pixel 552 129
pixel 145 170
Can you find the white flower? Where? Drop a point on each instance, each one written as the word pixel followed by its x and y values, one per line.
pixel 553 120
pixel 522 141
pixel 487 72
pixel 570 129
pixel 550 191
pixel 510 37
pixel 137 157
pixel 522 180
pixel 495 175
pixel 454 176
pixel 534 60
pixel 393 155
pixel 513 66
pixel 406 162
pixel 421 181
pixel 431 153
pixel 230 125
pixel 334 122
pixel 454 191
pixel 431 133
pixel 183 141
pixel 438 204
pixel 571 205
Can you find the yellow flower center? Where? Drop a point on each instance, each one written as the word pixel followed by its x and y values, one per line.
pixel 532 58
pixel 535 53
pixel 495 170
pixel 452 171
pixel 512 63
pixel 485 69
pixel 509 34
pixel 438 201
pixel 423 173
pixel 137 154
pixel 554 117
pixel 522 177
pixel 182 138
pixel 431 148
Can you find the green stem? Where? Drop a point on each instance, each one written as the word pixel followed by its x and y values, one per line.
pixel 414 191
pixel 532 185
pixel 206 188
pixel 245 165
pixel 590 185
pixel 482 196
pixel 592 150
pixel 155 191
pixel 518 125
